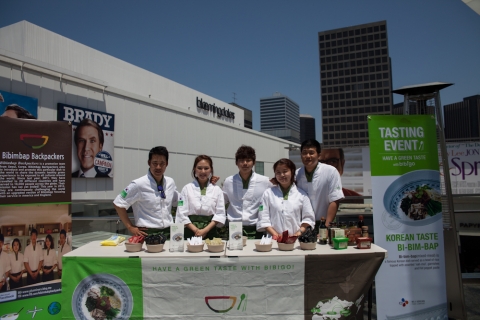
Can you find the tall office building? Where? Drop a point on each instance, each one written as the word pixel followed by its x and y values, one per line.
pixel 356 81
pixel 307 127
pixel 279 117
pixel 247 115
pixel 462 119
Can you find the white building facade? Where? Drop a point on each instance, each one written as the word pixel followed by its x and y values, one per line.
pixel 149 109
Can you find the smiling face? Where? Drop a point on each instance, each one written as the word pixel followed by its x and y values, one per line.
pixel 88 145
pixel 48 243
pixel 245 166
pixel 16 246
pixel 310 158
pixel 284 175
pixel 203 171
pixel 158 164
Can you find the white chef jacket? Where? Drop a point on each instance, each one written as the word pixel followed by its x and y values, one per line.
pixel 50 258
pixel 149 208
pixel 191 202
pixel 244 203
pixel 33 257
pixel 326 187
pixel 16 265
pixel 61 251
pixel 285 214
pixel 4 262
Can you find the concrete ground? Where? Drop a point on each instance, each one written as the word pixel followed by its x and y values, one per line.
pixel 471 291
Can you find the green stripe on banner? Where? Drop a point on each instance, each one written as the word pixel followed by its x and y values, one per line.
pixel 117 281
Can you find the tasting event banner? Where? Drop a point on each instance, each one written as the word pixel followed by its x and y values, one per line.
pixel 294 287
pixel 406 196
pixel 35 192
pixel 92 141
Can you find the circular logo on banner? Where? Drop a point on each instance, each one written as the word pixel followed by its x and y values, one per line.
pixel 103 163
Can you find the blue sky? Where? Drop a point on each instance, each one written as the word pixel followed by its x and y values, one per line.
pixel 256 48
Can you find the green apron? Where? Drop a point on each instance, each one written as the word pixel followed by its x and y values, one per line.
pixel 200 222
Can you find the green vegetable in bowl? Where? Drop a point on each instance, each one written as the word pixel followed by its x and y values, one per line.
pixel 106 291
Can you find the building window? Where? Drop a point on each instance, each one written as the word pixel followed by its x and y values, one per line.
pixel 259 167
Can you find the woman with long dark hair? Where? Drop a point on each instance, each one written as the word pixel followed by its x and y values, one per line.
pixel 201 206
pixel 284 206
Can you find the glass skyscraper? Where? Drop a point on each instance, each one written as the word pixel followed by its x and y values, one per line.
pixel 279 117
pixel 356 81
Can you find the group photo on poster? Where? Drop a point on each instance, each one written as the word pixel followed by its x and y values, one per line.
pixel 92 141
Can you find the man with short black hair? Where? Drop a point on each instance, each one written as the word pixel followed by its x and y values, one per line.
pixel 243 191
pixel 151 198
pixel 63 248
pixel 321 182
pixel 33 259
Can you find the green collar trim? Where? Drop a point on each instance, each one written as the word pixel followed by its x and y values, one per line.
pixel 309 175
pixel 246 182
pixel 285 192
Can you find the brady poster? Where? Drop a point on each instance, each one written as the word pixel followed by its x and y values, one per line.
pixel 92 153
pixel 17 106
pixel 35 194
pixel 408 217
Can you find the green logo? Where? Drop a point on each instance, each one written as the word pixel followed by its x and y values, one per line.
pixel 180 203
pixel 123 194
pixel 260 208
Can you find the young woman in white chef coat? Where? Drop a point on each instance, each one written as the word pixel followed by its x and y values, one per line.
pixel 49 259
pixel 284 206
pixel 17 267
pixel 201 207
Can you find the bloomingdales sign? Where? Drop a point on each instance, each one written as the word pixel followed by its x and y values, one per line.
pixel 212 107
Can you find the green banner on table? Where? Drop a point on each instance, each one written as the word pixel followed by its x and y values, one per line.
pixel 407 216
pixel 106 288
pixel 330 286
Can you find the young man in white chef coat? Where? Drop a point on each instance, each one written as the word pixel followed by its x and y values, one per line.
pixel 320 181
pixel 151 198
pixel 243 192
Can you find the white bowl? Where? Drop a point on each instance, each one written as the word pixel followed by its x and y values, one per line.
pixel 216 247
pixel 155 247
pixel 285 246
pixel 195 248
pixel 308 245
pixel 263 247
pixel 133 247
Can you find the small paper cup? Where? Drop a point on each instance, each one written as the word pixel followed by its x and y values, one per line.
pixel 244 239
